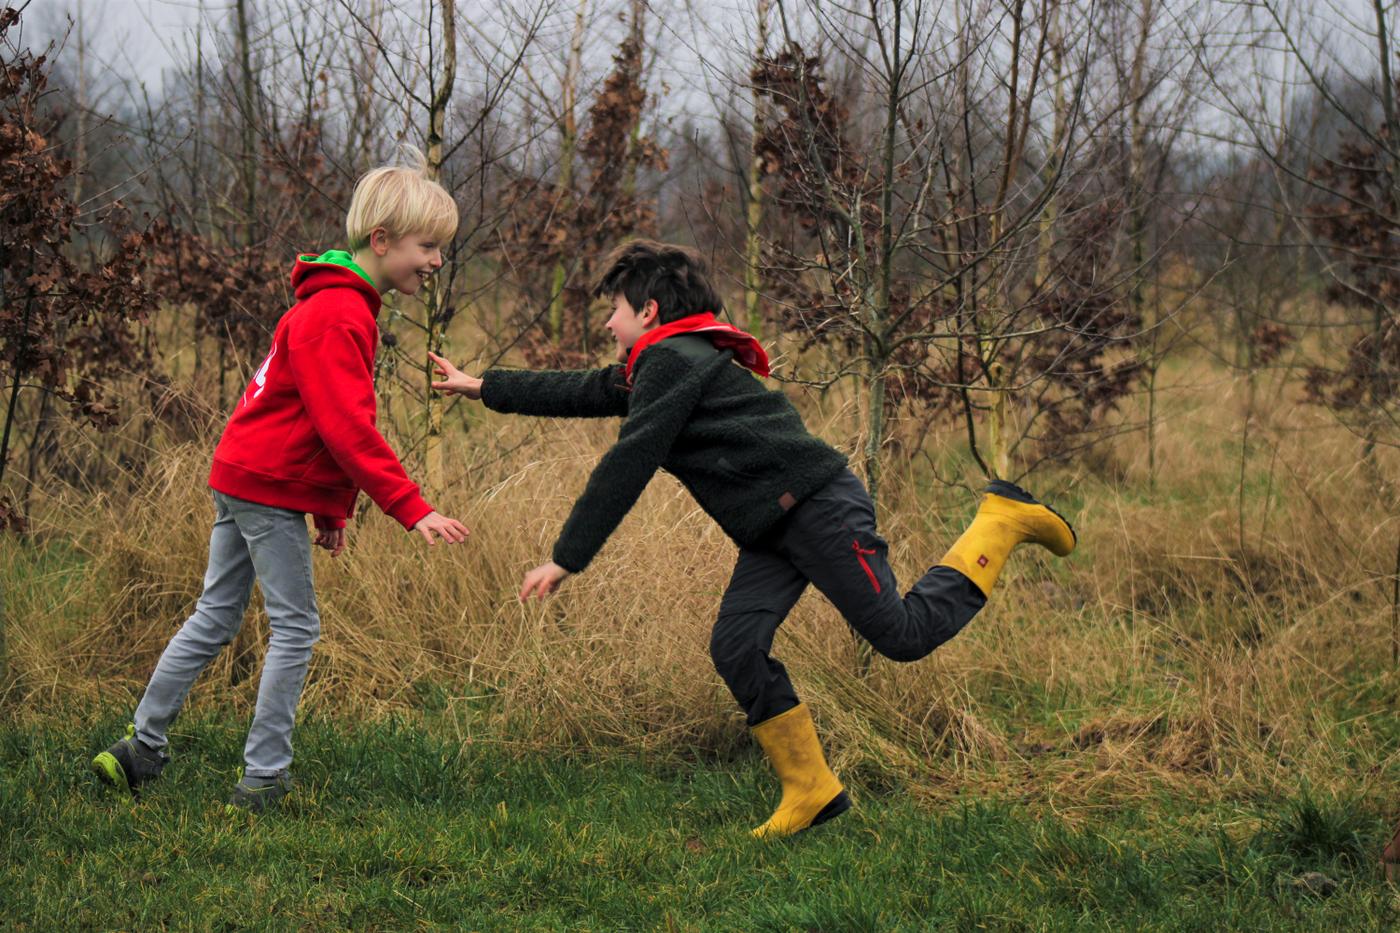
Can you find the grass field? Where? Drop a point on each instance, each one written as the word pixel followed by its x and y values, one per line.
pixel 400 825
pixel 1169 730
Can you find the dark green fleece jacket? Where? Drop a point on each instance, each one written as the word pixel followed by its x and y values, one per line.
pixel 741 450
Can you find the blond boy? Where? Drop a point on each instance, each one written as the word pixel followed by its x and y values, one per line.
pixel 301 440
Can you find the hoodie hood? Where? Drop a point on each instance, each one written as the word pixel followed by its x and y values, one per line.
pixel 748 352
pixel 332 269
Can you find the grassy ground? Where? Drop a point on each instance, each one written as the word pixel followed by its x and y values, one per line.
pixel 1167 731
pixel 399 825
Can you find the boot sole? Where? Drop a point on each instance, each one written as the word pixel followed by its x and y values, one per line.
pixel 838 805
pixel 1000 487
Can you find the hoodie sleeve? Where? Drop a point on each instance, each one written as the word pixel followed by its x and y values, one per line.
pixel 589 393
pixel 665 391
pixel 333 374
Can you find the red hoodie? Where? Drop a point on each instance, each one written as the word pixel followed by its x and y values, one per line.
pixel 303 434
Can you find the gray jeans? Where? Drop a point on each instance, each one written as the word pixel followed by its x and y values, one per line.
pixel 249 541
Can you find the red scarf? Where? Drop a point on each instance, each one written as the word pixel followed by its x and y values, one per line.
pixel 748 352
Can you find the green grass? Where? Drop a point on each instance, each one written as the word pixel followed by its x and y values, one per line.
pixel 395 825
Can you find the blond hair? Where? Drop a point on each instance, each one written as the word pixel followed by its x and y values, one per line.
pixel 404 200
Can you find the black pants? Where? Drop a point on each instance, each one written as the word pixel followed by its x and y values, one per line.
pixel 828 540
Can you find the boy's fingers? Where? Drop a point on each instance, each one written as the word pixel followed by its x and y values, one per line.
pixel 533 587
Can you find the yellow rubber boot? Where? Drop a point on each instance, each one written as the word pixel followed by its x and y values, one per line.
pixel 811 793
pixel 1008 516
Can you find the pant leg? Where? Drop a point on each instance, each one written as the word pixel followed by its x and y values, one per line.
pixel 830 538
pixel 762 591
pixel 217 617
pixel 280 548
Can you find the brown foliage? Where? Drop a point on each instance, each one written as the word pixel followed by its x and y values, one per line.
pixel 65 325
pixel 1360 224
pixel 238 294
pixel 807 141
pixel 1082 381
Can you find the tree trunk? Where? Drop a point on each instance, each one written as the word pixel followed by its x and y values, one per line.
pixel 37 446
pixel 1137 224
pixel 629 175
pixel 878 304
pixel 568 128
pixel 753 246
pixel 9 423
pixel 19 380
pixel 1017 114
pixel 364 92
pixel 248 161
pixel 1392 144
pixel 80 143
pixel 1045 239
pixel 432 298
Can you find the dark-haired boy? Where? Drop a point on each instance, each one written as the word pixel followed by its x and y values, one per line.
pixel 798 514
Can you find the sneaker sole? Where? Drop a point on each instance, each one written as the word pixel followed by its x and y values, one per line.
pixel 237 809
pixel 257 803
pixel 110 771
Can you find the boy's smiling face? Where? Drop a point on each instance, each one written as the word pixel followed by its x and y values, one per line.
pixel 405 262
pixel 627 325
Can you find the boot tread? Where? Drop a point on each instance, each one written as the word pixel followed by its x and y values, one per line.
pixel 837 806
pixel 1009 490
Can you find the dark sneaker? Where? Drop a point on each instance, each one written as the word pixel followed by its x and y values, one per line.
pixel 257 794
pixel 129 763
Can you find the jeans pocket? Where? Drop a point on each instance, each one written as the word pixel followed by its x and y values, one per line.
pixel 256 520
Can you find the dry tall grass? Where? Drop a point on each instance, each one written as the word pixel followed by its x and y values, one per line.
pixel 1199 641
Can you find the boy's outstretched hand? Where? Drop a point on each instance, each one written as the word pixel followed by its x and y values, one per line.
pixel 452 531
pixel 542 581
pixel 332 540
pixel 453 380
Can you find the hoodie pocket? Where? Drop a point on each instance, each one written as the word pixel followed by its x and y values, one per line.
pixel 735 472
pixel 750 457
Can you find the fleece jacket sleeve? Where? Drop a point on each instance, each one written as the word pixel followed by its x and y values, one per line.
pixel 333 376
pixel 587 393
pixel 666 388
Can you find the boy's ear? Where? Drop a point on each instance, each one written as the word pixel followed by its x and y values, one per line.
pixel 379 240
pixel 651 313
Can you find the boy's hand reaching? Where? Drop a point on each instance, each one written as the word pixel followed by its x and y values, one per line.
pixel 332 540
pixel 543 580
pixel 454 381
pixel 452 531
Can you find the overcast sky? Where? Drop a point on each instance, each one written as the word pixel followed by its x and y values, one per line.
pixel 137 41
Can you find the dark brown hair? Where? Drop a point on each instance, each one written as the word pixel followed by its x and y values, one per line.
pixel 675 277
